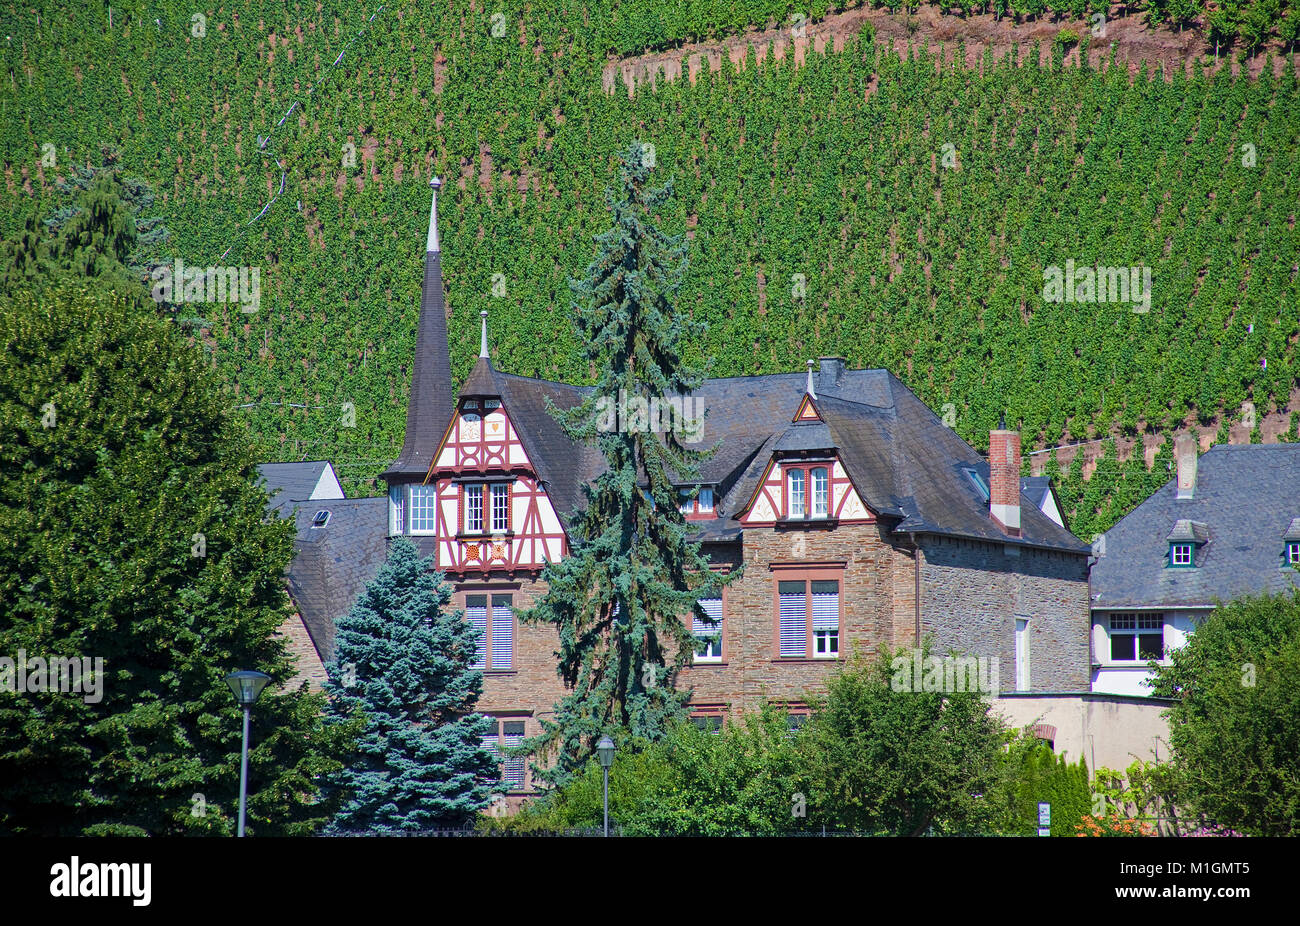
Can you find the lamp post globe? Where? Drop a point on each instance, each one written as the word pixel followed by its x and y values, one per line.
pixel 605 753
pixel 245 685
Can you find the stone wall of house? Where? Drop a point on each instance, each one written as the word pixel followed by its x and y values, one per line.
pixel 302 652
pixel 973 592
pixel 876 600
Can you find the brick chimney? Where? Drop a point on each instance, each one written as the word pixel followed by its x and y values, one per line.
pixel 1185 455
pixel 1004 478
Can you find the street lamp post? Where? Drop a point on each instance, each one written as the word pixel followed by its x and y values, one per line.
pixel 245 686
pixel 605 752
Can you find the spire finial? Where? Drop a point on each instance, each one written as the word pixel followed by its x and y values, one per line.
pixel 482 340
pixel 810 389
pixel 433 246
pixel 1002 424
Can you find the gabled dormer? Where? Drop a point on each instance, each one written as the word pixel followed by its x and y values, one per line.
pixel 805 483
pixel 1185 542
pixel 1291 545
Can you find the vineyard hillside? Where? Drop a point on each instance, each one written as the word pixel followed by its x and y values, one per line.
pixel 892 206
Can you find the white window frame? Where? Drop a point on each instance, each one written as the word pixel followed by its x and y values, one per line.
pixel 428 493
pixel 466 494
pixel 820 494
pixel 396 510
pixel 700 628
pixel 1022 654
pixel 505 487
pixel 801 511
pixel 1137 624
pixel 827 635
pixel 1182 554
pixel 1293 553
pixel 705 500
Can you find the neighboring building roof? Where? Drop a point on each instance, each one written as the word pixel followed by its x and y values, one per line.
pixel 904 462
pixel 332 564
pixel 1246 498
pixel 287 483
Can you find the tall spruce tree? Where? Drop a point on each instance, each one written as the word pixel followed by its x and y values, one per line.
pixel 617 600
pixel 405 659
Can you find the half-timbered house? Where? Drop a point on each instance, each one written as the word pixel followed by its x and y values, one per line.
pixel 860 519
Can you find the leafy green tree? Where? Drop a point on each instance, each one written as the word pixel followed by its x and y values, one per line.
pixel 1235 731
pixel 617 598
pixel 134 533
pixel 751 779
pixel 901 761
pixel 405 660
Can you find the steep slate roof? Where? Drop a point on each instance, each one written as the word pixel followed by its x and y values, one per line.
pixel 431 402
pixel 1246 495
pixel 287 483
pixel 332 564
pixel 904 462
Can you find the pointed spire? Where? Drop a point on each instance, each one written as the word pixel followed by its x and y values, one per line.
pixel 810 389
pixel 482 338
pixel 431 400
pixel 433 245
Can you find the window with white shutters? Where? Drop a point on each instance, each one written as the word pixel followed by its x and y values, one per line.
pixel 476 614
pixel 708 634
pixel 826 618
pixel 793 617
pixel 503 633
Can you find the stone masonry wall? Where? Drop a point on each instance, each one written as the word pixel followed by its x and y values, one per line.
pixel 972 593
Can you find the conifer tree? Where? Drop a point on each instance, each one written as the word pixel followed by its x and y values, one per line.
pixel 618 599
pixel 405 659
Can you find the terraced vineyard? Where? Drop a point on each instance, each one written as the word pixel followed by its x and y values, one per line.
pixel 868 205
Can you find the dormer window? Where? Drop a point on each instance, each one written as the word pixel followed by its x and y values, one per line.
pixel 1184 541
pixel 1291 545
pixel 807 492
pixel 699 506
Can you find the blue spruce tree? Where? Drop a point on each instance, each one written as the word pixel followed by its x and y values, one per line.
pixel 405 659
